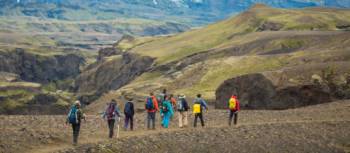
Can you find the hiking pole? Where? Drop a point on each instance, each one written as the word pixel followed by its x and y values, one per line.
pixel 118 128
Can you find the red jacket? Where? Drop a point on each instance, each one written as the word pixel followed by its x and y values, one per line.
pixel 155 103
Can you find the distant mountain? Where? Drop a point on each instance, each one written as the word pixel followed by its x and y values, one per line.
pixel 196 12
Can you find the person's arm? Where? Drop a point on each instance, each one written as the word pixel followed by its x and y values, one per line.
pixel 204 104
pixel 171 110
pixel 80 115
pixel 161 111
pixel 155 103
pixel 132 108
pixel 70 111
pixel 173 101
pixel 117 111
pixel 104 115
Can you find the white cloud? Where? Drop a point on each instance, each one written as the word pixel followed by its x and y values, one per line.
pixel 197 1
pixel 155 2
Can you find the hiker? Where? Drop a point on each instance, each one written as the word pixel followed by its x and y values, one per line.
pixel 167 112
pixel 182 108
pixel 199 105
pixel 129 114
pixel 234 107
pixel 152 108
pixel 173 101
pixel 112 115
pixel 160 99
pixel 75 116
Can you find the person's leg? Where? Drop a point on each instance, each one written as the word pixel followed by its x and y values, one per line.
pixel 148 120
pixel 180 119
pixel 131 122
pixel 74 131
pixel 126 122
pixel 195 120
pixel 153 120
pixel 111 128
pixel 230 118
pixel 77 133
pixel 166 120
pixel 201 118
pixel 236 118
pixel 185 118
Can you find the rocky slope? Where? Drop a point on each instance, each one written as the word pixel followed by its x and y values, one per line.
pixel 112 70
pixel 32 82
pixel 261 40
pixel 40 68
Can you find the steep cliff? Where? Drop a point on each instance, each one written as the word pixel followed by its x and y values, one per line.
pixel 40 68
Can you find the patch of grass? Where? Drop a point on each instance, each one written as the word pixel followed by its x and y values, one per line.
pixel 227 68
pixel 19 84
pixel 15 98
pixel 168 49
pixel 292 43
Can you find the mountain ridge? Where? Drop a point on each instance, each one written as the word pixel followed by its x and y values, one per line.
pixel 200 11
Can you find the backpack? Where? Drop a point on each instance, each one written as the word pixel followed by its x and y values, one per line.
pixel 180 105
pixel 128 108
pixel 73 115
pixel 232 104
pixel 149 103
pixel 196 108
pixel 110 111
pixel 165 108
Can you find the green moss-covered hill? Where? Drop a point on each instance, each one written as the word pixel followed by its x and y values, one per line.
pixel 261 40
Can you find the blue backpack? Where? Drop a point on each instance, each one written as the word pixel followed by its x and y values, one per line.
pixel 73 115
pixel 128 108
pixel 149 104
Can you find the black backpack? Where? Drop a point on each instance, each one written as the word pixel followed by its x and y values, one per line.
pixel 185 105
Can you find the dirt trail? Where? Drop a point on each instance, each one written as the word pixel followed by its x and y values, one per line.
pixel 47 134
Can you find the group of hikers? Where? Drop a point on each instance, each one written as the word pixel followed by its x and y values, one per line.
pixel 163 103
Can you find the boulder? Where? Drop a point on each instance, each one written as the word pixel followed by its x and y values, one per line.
pixel 255 91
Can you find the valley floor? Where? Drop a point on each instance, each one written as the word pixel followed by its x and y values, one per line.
pixel 319 128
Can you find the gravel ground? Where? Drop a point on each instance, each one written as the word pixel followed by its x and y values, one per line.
pixel 319 128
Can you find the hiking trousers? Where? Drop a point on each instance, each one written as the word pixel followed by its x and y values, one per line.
pixel 76 129
pixel 129 118
pixel 183 115
pixel 166 120
pixel 151 117
pixel 111 123
pixel 233 114
pixel 200 116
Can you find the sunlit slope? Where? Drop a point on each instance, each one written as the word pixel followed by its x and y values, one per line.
pixel 258 18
